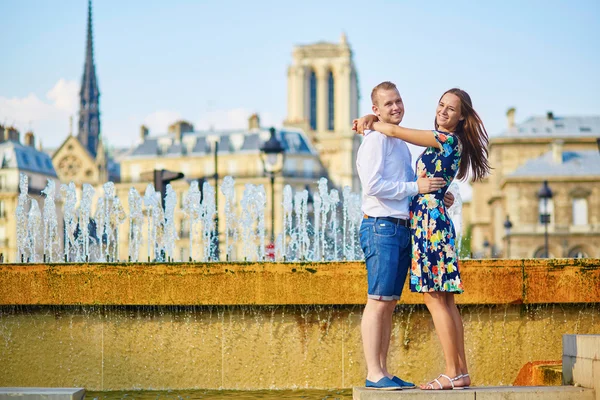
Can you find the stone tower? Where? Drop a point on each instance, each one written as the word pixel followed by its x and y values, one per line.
pixel 323 100
pixel 89 96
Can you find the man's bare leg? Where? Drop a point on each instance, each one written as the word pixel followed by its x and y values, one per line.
pixel 386 333
pixel 372 330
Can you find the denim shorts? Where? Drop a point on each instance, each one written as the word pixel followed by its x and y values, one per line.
pixel 387 255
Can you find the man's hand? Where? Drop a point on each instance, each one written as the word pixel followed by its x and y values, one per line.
pixel 448 199
pixel 430 185
pixel 364 123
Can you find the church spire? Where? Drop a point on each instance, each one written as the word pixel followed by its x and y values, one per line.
pixel 89 96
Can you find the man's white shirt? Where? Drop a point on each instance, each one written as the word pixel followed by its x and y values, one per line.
pixel 387 178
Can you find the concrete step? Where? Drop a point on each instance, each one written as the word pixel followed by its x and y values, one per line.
pixel 480 393
pixel 29 393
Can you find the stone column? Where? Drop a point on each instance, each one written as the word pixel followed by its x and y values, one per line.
pixel 322 97
pixel 292 102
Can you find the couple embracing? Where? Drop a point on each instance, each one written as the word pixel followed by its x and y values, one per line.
pixel 406 227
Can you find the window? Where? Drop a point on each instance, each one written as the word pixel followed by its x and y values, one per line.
pixel 25 159
pixel 2 209
pixel 549 210
pixel 331 100
pixel 577 252
pixel 308 168
pixel 2 181
pixel 313 100
pixel 541 252
pixel 580 211
pixel 585 129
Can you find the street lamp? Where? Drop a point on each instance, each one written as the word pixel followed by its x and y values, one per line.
pixel 507 227
pixel 272 155
pixel 486 244
pixel 545 193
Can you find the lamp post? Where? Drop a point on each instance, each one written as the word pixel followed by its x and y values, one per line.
pixel 545 193
pixel 216 234
pixel 507 227
pixel 486 245
pixel 272 155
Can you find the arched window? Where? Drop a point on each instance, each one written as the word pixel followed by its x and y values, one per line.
pixel 541 252
pixel 313 100
pixel 331 100
pixel 577 252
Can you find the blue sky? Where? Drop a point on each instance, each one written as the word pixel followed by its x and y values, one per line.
pixel 215 63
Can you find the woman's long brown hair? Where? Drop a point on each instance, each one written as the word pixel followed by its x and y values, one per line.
pixel 473 137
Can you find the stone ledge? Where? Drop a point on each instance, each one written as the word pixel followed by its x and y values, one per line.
pixel 31 393
pixel 480 393
pixel 343 283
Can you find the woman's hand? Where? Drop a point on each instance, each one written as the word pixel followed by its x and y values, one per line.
pixel 364 123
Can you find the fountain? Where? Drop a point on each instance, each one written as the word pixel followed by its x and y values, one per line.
pixel 305 236
pixel 87 319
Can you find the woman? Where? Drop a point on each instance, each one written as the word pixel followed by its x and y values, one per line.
pixel 456 148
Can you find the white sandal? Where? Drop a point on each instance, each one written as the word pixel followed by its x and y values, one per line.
pixel 440 384
pixel 460 377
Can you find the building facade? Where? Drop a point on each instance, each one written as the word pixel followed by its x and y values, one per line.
pixel 20 158
pixel 565 152
pixel 211 156
pixel 322 101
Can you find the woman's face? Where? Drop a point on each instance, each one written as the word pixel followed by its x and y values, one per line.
pixel 448 112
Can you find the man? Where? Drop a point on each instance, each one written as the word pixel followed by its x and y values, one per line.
pixel 388 182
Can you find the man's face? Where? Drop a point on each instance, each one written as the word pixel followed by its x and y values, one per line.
pixel 389 106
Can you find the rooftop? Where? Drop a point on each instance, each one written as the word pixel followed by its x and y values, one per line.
pixel 574 163
pixel 551 126
pixel 201 143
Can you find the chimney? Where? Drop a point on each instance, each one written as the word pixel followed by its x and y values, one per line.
pixel 253 122
pixel 178 133
pixel 549 115
pixel 510 116
pixel 179 128
pixel 557 151
pixel 30 139
pixel 13 135
pixel 144 132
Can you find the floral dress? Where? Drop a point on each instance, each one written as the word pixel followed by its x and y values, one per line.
pixel 434 265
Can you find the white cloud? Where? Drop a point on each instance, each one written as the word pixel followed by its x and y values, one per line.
pixel 65 96
pixel 48 119
pixel 22 111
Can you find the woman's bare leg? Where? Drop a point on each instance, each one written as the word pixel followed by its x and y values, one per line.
pixel 445 327
pixel 460 340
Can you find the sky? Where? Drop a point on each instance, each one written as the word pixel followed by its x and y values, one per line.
pixel 214 63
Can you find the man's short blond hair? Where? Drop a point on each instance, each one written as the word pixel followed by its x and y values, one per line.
pixel 387 85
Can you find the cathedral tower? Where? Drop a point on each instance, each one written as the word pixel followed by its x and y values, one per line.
pixel 323 100
pixel 89 96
